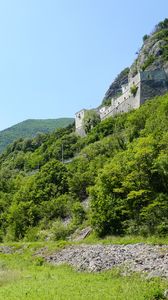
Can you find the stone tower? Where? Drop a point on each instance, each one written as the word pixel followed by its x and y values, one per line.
pixel 79 116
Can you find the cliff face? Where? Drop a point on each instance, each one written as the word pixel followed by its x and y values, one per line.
pixel 154 51
pixel 115 88
pixel 152 55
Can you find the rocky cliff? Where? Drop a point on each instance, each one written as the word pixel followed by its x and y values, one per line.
pixel 115 88
pixel 152 55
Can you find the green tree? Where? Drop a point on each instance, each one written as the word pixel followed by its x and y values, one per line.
pixel 91 119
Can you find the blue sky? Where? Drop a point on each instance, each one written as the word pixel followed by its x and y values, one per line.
pixel 58 56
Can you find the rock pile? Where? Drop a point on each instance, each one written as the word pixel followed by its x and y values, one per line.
pixel 134 257
pixel 6 250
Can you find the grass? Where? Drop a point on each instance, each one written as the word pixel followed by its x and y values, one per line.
pixel 92 239
pixel 24 276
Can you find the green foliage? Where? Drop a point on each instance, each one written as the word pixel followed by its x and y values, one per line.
pixel 133 89
pixel 150 59
pixel 145 37
pixel 162 25
pixel 78 213
pixel 120 166
pixel 165 52
pixel 30 128
pixel 59 231
pixel 128 192
pixel 106 102
pixel 161 34
pixel 91 119
pixel 26 276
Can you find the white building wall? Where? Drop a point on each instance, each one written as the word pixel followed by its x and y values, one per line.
pixel 126 101
pixel 79 116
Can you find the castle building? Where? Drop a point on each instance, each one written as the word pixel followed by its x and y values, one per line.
pixel 79 117
pixel 144 85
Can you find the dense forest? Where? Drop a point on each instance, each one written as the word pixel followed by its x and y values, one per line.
pixel 30 128
pixel 120 168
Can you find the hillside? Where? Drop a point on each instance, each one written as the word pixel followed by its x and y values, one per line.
pixel 30 128
pixel 120 166
pixel 113 181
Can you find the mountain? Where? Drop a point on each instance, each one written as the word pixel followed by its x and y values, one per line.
pixel 152 55
pixel 31 128
pixel 114 179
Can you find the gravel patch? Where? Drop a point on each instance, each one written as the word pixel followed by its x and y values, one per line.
pixel 149 259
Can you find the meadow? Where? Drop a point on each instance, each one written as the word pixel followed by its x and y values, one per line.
pixel 24 275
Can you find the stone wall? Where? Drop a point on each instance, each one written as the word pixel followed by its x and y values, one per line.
pixel 79 116
pixel 127 105
pixel 126 101
pixel 149 84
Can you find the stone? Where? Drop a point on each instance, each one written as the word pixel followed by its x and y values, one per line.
pixel 83 234
pixel 147 259
pixel 165 294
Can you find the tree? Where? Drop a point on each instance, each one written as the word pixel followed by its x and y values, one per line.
pixel 91 119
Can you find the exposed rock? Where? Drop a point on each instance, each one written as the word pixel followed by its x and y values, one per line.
pixel 151 260
pixel 66 221
pixel 85 203
pixel 6 250
pixel 165 294
pixel 149 58
pixel 82 234
pixel 152 47
pixel 115 87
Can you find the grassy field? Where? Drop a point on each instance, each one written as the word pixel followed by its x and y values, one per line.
pixel 92 239
pixel 23 275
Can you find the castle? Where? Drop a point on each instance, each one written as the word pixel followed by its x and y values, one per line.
pixel 144 85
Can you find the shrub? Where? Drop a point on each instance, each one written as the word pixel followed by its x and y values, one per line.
pixel 148 62
pixel 145 37
pixel 78 213
pixel 91 119
pixel 134 89
pixel 59 231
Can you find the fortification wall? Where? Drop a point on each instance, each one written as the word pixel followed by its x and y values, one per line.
pixel 149 84
pixel 126 101
pixel 127 105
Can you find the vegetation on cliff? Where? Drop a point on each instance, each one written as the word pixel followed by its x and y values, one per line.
pixel 152 55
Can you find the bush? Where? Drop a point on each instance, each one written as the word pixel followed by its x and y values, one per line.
pixel 134 89
pixel 148 62
pixel 145 37
pixel 91 119
pixel 59 231
pixel 78 213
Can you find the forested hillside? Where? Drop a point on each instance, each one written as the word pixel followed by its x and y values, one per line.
pixel 30 128
pixel 121 165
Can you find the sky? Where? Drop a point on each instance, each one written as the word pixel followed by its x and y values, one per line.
pixel 59 56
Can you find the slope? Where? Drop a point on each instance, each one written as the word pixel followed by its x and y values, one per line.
pixel 30 128
pixel 121 165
